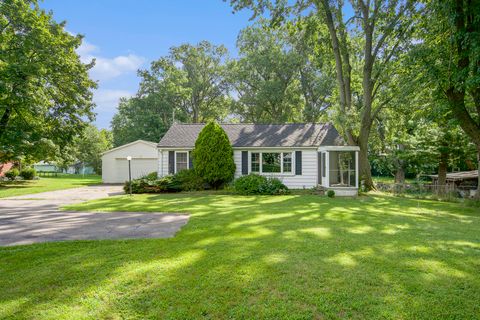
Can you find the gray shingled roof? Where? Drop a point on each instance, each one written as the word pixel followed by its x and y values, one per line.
pixel 259 135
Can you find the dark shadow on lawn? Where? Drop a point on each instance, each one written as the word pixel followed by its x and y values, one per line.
pixel 261 257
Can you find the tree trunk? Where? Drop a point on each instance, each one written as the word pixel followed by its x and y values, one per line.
pixel 477 194
pixel 442 174
pixel 364 164
pixel 400 167
pixel 195 116
pixel 4 120
pixel 400 175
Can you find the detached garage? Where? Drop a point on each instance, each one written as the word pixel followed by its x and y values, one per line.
pixel 144 161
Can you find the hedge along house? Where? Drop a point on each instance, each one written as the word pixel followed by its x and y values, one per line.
pixel 300 155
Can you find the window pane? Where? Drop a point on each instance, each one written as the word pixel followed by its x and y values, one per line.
pixel 287 162
pixel 255 162
pixel 181 161
pixel 342 169
pixel 271 162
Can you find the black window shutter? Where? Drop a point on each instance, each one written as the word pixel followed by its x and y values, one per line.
pixel 244 162
pixel 190 160
pixel 171 162
pixel 298 162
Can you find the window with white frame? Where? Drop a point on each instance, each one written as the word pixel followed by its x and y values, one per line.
pixel 287 162
pixel 271 162
pixel 181 161
pixel 255 162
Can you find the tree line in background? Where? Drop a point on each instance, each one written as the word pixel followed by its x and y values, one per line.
pixel 399 78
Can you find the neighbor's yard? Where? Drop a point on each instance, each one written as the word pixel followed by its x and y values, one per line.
pixel 63 181
pixel 295 257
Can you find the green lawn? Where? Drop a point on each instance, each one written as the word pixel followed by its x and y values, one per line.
pixel 63 181
pixel 389 179
pixel 259 257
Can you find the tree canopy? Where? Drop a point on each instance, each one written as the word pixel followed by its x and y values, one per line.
pixel 45 90
pixel 400 79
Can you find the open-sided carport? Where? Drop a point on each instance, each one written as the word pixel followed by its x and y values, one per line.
pixel 115 164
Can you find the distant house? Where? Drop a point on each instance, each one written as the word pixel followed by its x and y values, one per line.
pixel 76 168
pixel 301 155
pixel 79 168
pixel 45 166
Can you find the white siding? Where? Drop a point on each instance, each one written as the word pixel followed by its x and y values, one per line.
pixel 115 165
pixel 237 158
pixel 163 161
pixel 307 179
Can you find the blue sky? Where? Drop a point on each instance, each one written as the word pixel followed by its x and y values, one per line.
pixel 124 36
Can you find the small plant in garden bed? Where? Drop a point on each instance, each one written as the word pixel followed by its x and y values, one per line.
pixel 28 173
pixel 185 180
pixel 151 176
pixel 331 194
pixel 189 180
pixel 144 185
pixel 12 174
pixel 257 184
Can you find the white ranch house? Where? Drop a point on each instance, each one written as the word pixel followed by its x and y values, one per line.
pixel 301 155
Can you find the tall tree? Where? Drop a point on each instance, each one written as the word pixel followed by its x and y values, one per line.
pixel 316 73
pixel 364 46
pixel 195 77
pixel 266 76
pixel 87 148
pixel 45 90
pixel 188 85
pixel 146 116
pixel 91 144
pixel 450 50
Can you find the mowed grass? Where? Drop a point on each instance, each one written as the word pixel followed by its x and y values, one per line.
pixel 62 181
pixel 259 257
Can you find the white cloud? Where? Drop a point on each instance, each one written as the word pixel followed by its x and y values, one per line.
pixel 86 48
pixel 108 68
pixel 107 99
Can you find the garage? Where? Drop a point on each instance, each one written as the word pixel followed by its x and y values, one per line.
pixel 144 157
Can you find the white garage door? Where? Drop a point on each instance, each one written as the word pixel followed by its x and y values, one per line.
pixel 140 168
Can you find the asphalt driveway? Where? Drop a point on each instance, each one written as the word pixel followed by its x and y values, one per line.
pixel 36 218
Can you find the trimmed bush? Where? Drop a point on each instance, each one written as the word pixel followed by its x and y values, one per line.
pixel 273 186
pixel 28 173
pixel 331 193
pixel 143 185
pixel 257 184
pixel 213 156
pixel 151 176
pixel 249 184
pixel 189 180
pixel 12 174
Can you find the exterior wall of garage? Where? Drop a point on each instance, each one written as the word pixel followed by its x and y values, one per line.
pixel 115 165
